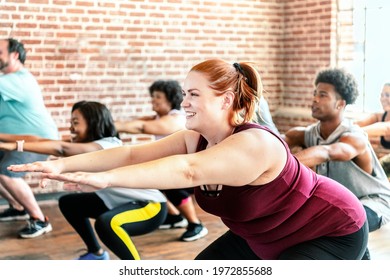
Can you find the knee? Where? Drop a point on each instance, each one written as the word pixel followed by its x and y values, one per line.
pixel 66 204
pixel 102 225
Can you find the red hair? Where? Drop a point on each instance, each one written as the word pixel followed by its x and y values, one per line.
pixel 243 79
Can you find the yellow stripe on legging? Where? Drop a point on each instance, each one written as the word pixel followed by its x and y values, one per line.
pixel 132 216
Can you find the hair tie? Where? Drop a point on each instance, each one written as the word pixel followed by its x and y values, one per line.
pixel 240 70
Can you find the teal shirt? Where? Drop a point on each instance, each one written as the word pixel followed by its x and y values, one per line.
pixel 22 109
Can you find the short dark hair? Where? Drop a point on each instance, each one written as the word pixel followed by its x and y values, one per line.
pixel 343 82
pixel 16 46
pixel 171 89
pixel 99 120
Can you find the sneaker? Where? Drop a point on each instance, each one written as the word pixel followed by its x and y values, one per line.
pixel 94 257
pixel 174 221
pixel 194 232
pixel 11 214
pixel 35 228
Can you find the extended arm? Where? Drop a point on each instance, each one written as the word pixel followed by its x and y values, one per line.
pixel 4 137
pixel 55 148
pixel 110 158
pixel 239 166
pixel 374 126
pixel 162 126
pixel 377 129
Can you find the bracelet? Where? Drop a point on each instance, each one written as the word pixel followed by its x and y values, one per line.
pixel 19 145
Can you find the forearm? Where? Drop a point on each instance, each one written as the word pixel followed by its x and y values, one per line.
pixel 5 137
pixel 134 127
pixel 313 156
pixel 377 129
pixel 166 173
pixel 44 147
pixel 98 161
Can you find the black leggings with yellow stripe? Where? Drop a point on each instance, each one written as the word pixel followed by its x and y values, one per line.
pixel 114 226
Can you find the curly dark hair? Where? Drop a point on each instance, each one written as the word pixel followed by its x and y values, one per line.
pixel 343 82
pixel 171 89
pixel 99 120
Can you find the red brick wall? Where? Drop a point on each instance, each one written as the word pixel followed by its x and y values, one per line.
pixel 317 34
pixel 111 51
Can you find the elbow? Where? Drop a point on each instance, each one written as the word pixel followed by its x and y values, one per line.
pixel 190 175
pixel 59 152
pixel 327 154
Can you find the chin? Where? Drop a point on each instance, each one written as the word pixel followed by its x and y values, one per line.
pixel 190 126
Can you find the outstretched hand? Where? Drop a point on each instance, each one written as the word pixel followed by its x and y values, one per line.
pixel 38 166
pixel 82 181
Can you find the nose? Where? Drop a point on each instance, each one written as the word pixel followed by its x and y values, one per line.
pixel 184 103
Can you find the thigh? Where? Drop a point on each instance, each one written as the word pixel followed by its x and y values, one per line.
pixel 228 247
pixel 385 162
pixel 14 157
pixel 176 196
pixel 374 221
pixel 83 205
pixel 347 247
pixel 136 218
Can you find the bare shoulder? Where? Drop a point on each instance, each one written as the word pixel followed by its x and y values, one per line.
pixel 257 139
pixel 353 137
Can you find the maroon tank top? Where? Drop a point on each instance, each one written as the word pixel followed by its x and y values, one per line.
pixel 297 206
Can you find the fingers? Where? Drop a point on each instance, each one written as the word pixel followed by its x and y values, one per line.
pixel 29 167
pixel 78 181
pixel 71 187
pixel 43 183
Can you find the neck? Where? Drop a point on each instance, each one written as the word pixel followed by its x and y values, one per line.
pixel 13 68
pixel 220 136
pixel 327 127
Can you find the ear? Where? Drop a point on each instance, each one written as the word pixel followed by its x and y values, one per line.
pixel 341 103
pixel 228 99
pixel 14 55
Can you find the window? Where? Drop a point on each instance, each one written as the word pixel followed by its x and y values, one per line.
pixel 371 51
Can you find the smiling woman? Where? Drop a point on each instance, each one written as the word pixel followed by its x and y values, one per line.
pixel 168 118
pixel 301 215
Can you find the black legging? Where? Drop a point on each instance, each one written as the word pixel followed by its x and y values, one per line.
pixel 349 247
pixel 114 226
pixel 374 223
pixel 176 196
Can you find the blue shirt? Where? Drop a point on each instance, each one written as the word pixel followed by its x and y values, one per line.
pixel 22 109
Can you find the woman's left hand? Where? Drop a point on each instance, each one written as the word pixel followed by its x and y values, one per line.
pixel 81 181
